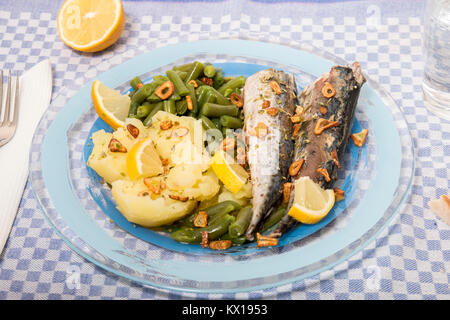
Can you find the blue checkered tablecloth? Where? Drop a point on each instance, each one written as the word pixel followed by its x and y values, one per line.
pixel 410 259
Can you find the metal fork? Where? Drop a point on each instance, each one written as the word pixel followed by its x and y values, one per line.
pixel 7 125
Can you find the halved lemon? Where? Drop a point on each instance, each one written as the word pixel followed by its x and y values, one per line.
pixel 90 26
pixel 143 160
pixel 111 106
pixel 311 202
pixel 232 175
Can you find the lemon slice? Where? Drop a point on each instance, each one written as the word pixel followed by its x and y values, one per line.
pixel 111 106
pixel 90 26
pixel 232 175
pixel 311 202
pixel 143 160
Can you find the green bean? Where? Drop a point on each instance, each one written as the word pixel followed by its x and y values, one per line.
pixel 159 81
pixel 222 207
pixel 158 107
pixel 175 96
pixel 214 230
pixel 209 71
pixel 184 67
pixel 201 94
pixel 217 110
pixel 226 206
pixel 274 218
pixel 226 79
pixel 134 82
pixel 142 93
pixel 179 85
pixel 218 79
pixel 191 89
pixel 144 109
pixel 181 107
pixel 232 84
pixel 210 98
pixel 195 71
pixel 220 99
pixel 169 106
pixel 199 90
pixel 240 225
pixel 231 122
pixel 236 241
pixel 206 97
pixel 182 74
pixel 207 123
pixel 153 98
pixel 228 92
pixel 133 109
pixel 160 78
pixel 217 123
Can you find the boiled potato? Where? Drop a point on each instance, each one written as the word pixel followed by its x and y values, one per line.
pixel 183 176
pixel 111 166
pixel 199 186
pixel 146 210
pixel 187 176
pixel 181 144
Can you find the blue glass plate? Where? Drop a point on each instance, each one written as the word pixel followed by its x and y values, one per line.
pixel 375 178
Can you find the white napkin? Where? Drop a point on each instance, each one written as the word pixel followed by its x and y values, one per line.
pixel 35 87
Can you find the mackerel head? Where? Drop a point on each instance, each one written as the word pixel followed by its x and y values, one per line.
pixel 269 103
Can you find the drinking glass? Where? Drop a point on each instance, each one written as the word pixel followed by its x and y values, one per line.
pixel 436 79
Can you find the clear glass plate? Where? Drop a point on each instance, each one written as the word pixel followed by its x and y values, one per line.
pixel 376 179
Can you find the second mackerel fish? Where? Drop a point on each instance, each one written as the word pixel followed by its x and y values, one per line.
pixel 326 109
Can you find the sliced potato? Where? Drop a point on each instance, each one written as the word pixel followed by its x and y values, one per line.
pixel 205 188
pixel 189 181
pixel 146 210
pixel 183 176
pixel 111 166
pixel 182 143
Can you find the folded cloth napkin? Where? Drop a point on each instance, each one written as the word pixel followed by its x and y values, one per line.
pixel 35 90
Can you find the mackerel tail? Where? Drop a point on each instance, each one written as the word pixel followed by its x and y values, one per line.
pixel 323 151
pixel 269 102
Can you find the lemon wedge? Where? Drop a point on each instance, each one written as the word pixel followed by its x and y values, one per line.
pixel 90 26
pixel 111 106
pixel 311 202
pixel 143 160
pixel 232 175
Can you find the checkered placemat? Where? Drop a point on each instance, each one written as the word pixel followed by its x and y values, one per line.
pixel 409 260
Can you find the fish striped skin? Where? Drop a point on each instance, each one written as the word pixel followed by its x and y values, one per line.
pixel 269 153
pixel 317 150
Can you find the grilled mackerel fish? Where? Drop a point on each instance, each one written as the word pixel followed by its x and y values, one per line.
pixel 326 111
pixel 269 102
